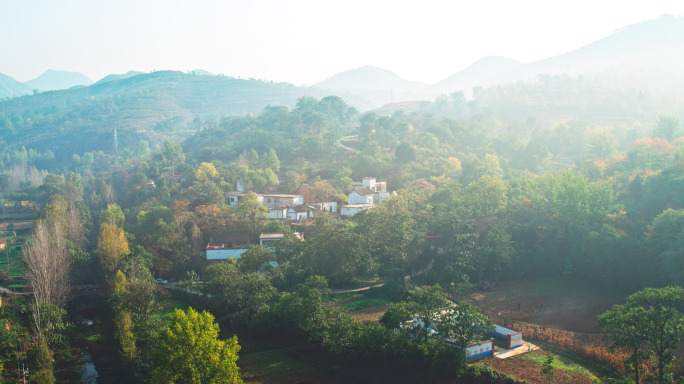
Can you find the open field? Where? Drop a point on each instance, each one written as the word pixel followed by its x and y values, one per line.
pixel 567 305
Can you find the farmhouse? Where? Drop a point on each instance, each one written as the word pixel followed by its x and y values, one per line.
pixel 352 209
pixel 235 197
pixel 270 239
pixel 362 196
pixel 301 212
pixel 277 200
pixel 228 246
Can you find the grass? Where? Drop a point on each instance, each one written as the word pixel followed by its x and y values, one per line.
pixel 170 305
pixel 355 301
pixel 562 363
pixel 16 270
pixel 267 363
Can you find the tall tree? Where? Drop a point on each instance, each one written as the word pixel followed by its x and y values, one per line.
pixel 47 263
pixel 111 245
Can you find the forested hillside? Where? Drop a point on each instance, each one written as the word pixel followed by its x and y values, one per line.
pixel 146 106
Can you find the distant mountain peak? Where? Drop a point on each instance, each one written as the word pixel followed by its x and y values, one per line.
pixel 52 80
pixel 368 78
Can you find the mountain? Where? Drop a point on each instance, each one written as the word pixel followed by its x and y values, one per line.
pixel 380 86
pixel 650 50
pixel 368 78
pixel 113 77
pixel 480 73
pixel 650 47
pixel 55 80
pixel 12 88
pixel 151 106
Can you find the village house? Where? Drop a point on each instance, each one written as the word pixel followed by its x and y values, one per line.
pixel 270 239
pixel 352 209
pixel 278 213
pixel 364 195
pixel 235 197
pixel 227 246
pixel 305 190
pixel 277 200
pixel 300 212
pixel 329 206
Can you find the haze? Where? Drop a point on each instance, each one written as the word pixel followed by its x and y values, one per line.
pixel 302 42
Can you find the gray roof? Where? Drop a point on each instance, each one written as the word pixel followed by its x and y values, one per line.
pixel 364 191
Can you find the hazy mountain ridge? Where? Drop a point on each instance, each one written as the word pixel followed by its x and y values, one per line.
pixel 480 73
pixel 9 87
pixel 113 77
pixel 652 48
pixel 52 80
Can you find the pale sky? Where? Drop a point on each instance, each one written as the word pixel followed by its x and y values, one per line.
pixel 300 41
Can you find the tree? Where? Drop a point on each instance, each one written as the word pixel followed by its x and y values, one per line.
pixel 649 316
pixel 189 351
pixel 667 128
pixel 547 367
pixel 112 215
pixel 463 324
pixel 664 323
pixel 405 153
pixel 343 181
pixel 417 314
pixel 270 160
pixel 111 245
pixel 249 208
pixel 628 331
pixel 47 264
pixel 207 172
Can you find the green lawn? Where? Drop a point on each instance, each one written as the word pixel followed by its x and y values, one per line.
pixel 267 363
pixel 13 253
pixel 357 300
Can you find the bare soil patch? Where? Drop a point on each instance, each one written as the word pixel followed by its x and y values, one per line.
pixel 18 224
pixel 373 313
pixel 530 371
pixel 553 303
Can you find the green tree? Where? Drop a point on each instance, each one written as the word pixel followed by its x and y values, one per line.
pixel 189 351
pixel 664 323
pixel 405 153
pixel 547 367
pixel 417 314
pixel 250 209
pixel 343 181
pixel 667 127
pixel 626 325
pixel 270 160
pixel 463 324
pixel 650 315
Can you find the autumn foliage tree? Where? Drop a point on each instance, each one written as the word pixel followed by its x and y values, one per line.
pixel 189 351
